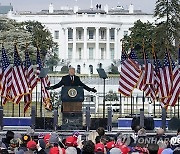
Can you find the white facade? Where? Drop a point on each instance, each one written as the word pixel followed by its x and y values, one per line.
pixel 87 38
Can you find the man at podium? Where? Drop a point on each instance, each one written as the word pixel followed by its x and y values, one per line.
pixel 71 80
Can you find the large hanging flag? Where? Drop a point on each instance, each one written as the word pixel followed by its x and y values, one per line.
pixel 165 75
pixel 6 80
pixel 129 75
pixel 149 71
pixel 145 83
pixel 45 82
pixel 19 82
pixel 31 80
pixel 175 90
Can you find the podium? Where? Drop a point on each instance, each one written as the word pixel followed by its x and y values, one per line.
pixel 72 98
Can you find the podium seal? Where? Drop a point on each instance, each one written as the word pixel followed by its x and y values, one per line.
pixel 72 92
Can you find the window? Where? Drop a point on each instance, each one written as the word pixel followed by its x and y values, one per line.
pixel 112 53
pixel 102 53
pixel 112 34
pixel 91 69
pixel 125 33
pixel 80 53
pixel 69 53
pixel 102 34
pixel 91 34
pixel 78 69
pixel 90 53
pixel 79 35
pixel 70 34
pixel 56 34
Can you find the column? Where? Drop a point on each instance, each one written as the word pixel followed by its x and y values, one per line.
pixel 116 44
pixel 107 44
pixel 85 43
pixel 66 43
pixel 97 53
pixel 119 44
pixel 74 44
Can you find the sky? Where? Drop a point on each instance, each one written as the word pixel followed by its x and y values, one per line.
pixel 146 6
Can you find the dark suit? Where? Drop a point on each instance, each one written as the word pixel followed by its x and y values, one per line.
pixel 68 81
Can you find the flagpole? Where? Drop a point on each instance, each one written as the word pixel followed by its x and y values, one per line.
pixel 144 64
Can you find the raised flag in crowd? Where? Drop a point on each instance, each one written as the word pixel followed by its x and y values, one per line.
pixel 31 80
pixel 45 82
pixel 6 79
pixel 19 86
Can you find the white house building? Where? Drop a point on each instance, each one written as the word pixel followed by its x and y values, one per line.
pixel 87 38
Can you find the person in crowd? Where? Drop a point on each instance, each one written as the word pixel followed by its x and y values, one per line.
pixel 160 133
pixel 97 139
pixel 23 146
pixel 109 146
pixel 141 132
pixel 167 150
pixel 153 148
pixel 88 147
pixel 178 132
pixel 9 136
pixel 3 148
pixel 104 139
pixel 41 146
pixel 92 136
pixel 100 131
pixel 115 151
pixel 71 144
pixel 54 144
pixel 32 147
pixel 100 149
pixel 14 145
pixel 162 145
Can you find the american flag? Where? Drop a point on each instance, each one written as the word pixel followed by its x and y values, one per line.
pixel 149 71
pixel 19 82
pixel 147 88
pixel 6 80
pixel 31 79
pixel 129 75
pixel 175 91
pixel 45 82
pixel 165 75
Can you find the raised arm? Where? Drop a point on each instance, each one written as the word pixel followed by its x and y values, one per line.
pixel 58 85
pixel 86 87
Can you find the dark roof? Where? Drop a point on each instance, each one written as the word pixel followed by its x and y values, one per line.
pixel 90 11
pixel 5 9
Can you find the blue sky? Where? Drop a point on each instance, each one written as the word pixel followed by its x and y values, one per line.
pixel 37 5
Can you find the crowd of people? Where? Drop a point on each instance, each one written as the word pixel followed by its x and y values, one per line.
pixel 97 142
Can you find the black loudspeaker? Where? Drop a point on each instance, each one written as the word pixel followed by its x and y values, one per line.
pixel 44 123
pixel 148 123
pixel 72 121
pixel 98 122
pixel 174 123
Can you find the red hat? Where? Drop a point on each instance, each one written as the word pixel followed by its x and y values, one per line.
pixel 54 150
pixel 31 145
pixel 99 147
pixel 46 138
pixel 124 149
pixel 71 141
pixel 110 145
